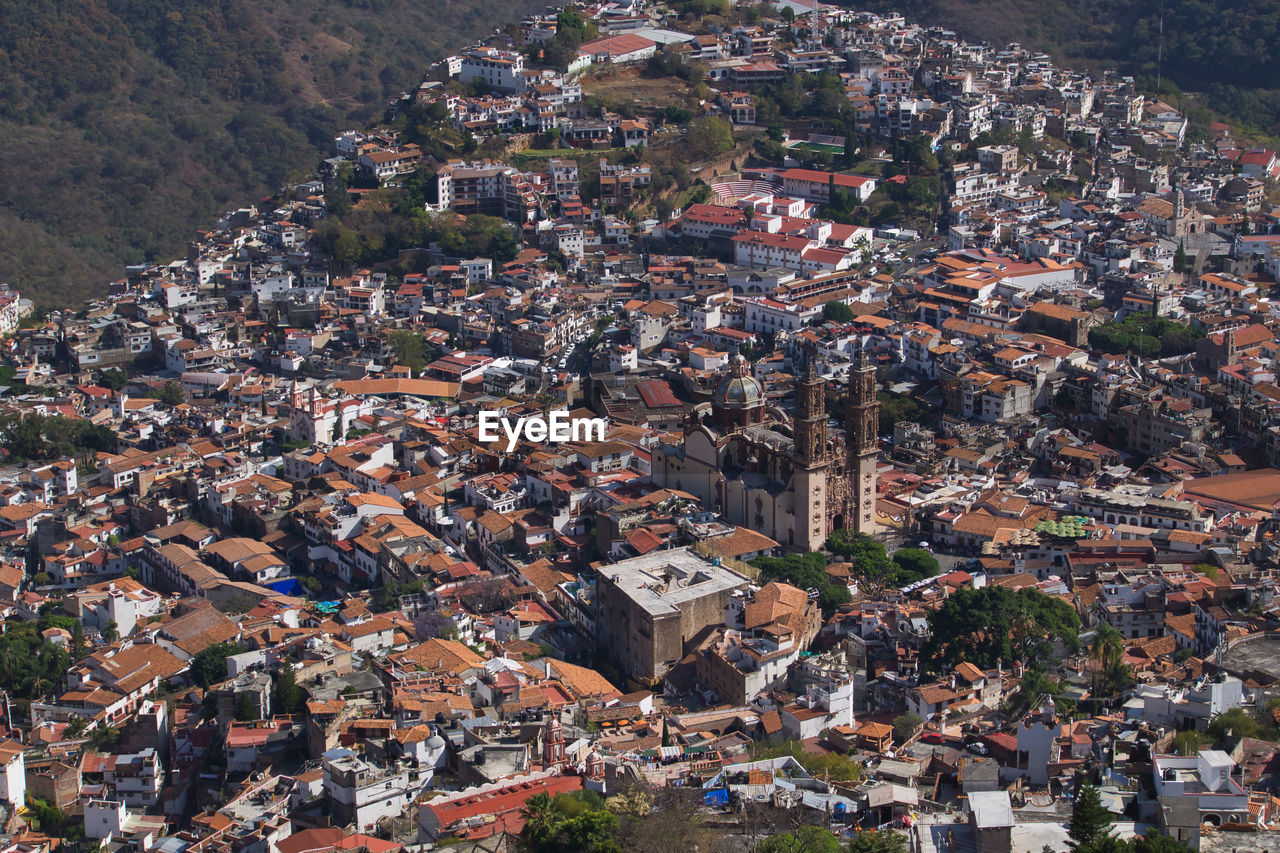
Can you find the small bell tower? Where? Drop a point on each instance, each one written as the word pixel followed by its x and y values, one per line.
pixel 553 743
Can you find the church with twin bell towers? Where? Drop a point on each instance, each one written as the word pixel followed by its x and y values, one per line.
pixel 786 476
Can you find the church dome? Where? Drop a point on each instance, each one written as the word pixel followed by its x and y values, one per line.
pixel 739 400
pixel 739 392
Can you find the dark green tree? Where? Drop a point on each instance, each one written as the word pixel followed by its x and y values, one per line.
pixel 1156 841
pixel 573 823
pixel 802 570
pixel 1108 844
pixel 994 623
pixel 592 831
pixel 46 816
pixel 832 595
pixel 895 408
pixel 104 738
pixel 23 436
pixel 209 666
pixel 1146 334
pixel 1110 338
pixel 540 821
pixel 30 667
pixel 245 712
pixel 79 648
pixel 1034 687
pixel 113 378
pixel 836 311
pixel 1090 820
pixel 288 695
pixel 1110 675
pixel 336 199
pixel 867 555
pixel 915 564
pixel 171 393
pixel 1179 339
pixel 906 725
pixel 409 348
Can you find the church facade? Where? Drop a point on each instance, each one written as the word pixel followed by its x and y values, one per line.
pixel 322 421
pixel 1170 216
pixel 783 476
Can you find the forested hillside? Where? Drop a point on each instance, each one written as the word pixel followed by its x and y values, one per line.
pixel 1227 49
pixel 125 125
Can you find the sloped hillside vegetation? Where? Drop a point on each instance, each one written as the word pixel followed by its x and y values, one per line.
pixel 125 125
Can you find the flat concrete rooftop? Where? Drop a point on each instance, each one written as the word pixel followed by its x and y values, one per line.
pixel 1261 655
pixel 661 581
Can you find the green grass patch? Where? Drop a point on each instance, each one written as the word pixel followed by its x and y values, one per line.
pixel 868 167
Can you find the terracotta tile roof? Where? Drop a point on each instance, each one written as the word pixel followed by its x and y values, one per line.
pixel 582 681
pixel 439 656
pixel 743 540
pixel 874 730
pixel 1258 489
pixel 129 668
pixel 1182 624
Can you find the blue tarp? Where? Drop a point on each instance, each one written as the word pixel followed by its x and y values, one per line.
pixel 716 797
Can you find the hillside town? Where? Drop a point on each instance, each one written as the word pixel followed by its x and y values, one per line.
pixel 898 469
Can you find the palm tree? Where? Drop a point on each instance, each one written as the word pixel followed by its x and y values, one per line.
pixel 1107 655
pixel 1108 645
pixel 41 686
pixel 540 819
pixel 1024 630
pixel 1034 685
